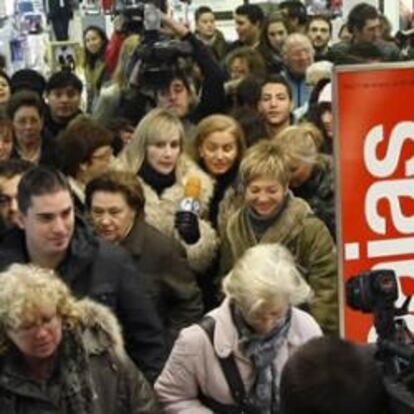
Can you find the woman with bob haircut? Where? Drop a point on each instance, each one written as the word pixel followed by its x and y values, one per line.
pixel 271 214
pixel 115 204
pixel 218 149
pixel 311 173
pixel 257 325
pixel 166 173
pixel 59 354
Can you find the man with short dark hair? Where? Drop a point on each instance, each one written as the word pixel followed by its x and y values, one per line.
pixel 11 172
pixel 294 11
pixel 319 31
pixel 208 33
pixel 50 236
pixel 63 93
pixel 365 26
pixel 249 19
pixel 178 92
pixel 328 375
pixel 84 150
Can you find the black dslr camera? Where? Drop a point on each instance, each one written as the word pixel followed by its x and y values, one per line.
pixel 376 292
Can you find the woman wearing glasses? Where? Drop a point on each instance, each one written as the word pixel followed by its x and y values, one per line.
pixel 61 355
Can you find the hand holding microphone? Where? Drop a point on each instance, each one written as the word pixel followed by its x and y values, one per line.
pixel 186 217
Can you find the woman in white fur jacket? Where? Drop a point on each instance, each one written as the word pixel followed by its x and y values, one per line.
pixel 156 155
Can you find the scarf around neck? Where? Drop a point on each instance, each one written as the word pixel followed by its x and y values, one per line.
pixel 157 181
pixel 263 350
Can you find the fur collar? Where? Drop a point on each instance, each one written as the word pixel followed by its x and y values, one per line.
pixel 100 329
pixel 160 210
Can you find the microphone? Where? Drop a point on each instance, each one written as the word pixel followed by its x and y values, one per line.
pixel 190 202
pixel 407 285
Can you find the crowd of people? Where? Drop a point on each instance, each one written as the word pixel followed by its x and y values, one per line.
pixel 170 246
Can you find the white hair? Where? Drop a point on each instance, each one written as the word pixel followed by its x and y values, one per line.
pixel 295 39
pixel 265 274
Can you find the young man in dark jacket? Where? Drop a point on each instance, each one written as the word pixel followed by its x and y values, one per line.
pixel 51 237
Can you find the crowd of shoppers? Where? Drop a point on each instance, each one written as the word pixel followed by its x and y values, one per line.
pixel 168 244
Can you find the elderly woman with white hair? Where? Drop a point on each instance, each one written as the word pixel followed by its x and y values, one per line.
pixel 254 331
pixel 62 355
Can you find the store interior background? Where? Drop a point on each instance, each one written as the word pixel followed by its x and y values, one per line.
pixel 25 48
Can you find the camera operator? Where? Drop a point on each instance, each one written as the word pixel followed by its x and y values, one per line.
pixel 179 95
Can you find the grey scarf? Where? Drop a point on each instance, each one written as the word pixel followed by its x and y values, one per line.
pixel 262 350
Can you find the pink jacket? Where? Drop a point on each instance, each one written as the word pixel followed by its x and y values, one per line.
pixel 193 365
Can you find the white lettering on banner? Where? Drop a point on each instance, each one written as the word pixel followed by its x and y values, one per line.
pixel 386 167
pixel 390 190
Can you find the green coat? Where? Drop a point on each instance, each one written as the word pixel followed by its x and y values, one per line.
pixel 309 241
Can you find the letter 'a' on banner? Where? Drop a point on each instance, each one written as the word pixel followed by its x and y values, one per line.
pixel 374 151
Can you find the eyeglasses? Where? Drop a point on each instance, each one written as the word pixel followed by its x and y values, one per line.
pixel 47 322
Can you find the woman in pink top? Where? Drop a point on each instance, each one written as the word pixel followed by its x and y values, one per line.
pixel 257 325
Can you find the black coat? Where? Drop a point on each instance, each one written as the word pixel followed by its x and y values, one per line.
pixel 96 269
pixel 55 10
pixel 167 276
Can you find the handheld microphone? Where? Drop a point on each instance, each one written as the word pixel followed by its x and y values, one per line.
pixel 192 190
pixel 407 285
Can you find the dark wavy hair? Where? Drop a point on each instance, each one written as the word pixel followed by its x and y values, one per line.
pixel 90 59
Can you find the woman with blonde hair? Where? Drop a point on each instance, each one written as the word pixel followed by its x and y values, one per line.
pixel 218 149
pixel 168 176
pixel 58 354
pixel 311 173
pixel 256 328
pixel 271 214
pixel 108 105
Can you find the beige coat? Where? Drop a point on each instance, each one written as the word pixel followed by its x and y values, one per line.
pixel 160 213
pixel 193 364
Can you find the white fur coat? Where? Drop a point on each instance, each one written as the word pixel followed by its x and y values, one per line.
pixel 160 212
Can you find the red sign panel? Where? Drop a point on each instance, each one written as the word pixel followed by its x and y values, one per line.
pixel 375 167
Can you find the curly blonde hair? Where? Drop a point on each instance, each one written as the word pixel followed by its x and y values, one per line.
pixel 24 289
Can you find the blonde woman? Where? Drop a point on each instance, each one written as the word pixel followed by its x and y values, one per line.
pixel 312 175
pixel 218 149
pixel 156 155
pixel 258 326
pixel 271 214
pixel 58 354
pixel 108 104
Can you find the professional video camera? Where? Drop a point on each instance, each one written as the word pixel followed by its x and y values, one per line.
pixel 376 292
pixel 157 58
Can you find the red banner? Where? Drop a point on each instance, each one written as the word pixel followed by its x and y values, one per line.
pixel 375 167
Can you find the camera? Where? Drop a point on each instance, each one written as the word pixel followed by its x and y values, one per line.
pixel 158 57
pixel 376 292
